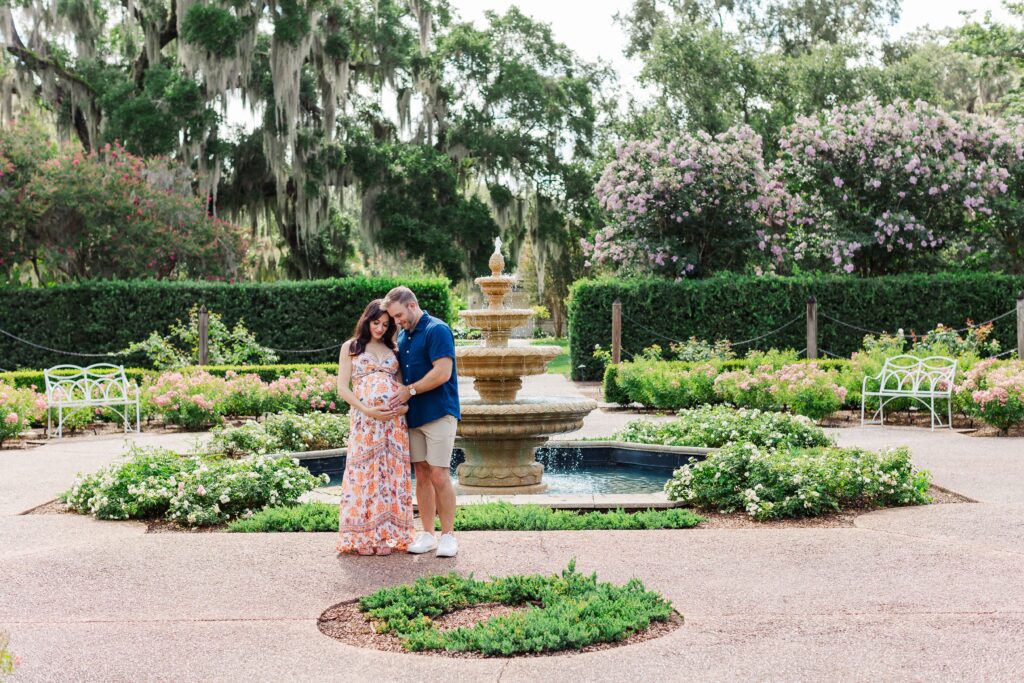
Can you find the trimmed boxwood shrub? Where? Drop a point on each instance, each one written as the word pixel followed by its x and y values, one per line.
pixel 107 316
pixel 740 307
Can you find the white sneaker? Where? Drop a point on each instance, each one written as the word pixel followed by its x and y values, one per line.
pixel 448 547
pixel 424 542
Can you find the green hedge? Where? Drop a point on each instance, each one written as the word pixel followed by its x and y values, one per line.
pixel 107 316
pixel 740 307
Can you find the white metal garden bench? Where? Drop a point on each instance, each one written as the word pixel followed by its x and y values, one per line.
pixel 925 380
pixel 102 385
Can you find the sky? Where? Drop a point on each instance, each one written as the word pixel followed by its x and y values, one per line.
pixel 587 27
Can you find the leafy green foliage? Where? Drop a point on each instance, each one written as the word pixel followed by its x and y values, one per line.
pixel 213 28
pixel 107 214
pixel 283 432
pixel 788 482
pixel 102 317
pixel 179 349
pixel 738 307
pixel 717 426
pixel 422 212
pixel 154 483
pixel 570 611
pixel 480 517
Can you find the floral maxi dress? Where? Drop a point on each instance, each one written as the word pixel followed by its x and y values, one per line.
pixel 376 492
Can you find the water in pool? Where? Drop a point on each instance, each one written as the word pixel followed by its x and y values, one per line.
pixel 593 479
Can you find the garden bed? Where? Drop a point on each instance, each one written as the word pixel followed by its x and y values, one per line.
pixel 511 616
pixel 345 622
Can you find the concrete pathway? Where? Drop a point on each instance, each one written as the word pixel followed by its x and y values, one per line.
pixel 908 594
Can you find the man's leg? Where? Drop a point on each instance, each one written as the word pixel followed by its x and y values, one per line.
pixel 425 497
pixel 443 496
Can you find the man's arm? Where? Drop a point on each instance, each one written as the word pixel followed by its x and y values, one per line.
pixel 438 375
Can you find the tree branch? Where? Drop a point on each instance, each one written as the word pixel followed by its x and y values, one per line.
pixel 169 33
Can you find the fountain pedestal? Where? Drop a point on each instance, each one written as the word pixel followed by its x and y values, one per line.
pixel 500 433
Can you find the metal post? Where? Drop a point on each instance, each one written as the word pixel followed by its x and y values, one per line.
pixel 812 328
pixel 616 331
pixel 1020 325
pixel 204 324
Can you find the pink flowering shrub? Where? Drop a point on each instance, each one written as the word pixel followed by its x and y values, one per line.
pixel 802 388
pixel 245 394
pixel 19 409
pixel 193 401
pixel 993 391
pixel 680 207
pixel 304 391
pixel 880 189
pixel 746 388
pixel 807 390
pixel 668 385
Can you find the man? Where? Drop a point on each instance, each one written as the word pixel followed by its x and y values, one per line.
pixel 426 351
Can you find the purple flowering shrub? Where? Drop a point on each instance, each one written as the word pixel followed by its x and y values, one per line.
pixel 680 207
pixel 882 189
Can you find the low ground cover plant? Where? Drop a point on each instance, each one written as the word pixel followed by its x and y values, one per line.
pixel 478 517
pixel 567 611
pixel 797 482
pixel 192 490
pixel 281 433
pixel 717 426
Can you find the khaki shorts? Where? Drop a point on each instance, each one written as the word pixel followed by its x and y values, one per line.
pixel 434 441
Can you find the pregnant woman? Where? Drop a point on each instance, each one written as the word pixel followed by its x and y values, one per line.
pixel 376 494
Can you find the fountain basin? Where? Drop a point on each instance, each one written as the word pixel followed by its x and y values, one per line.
pixel 500 441
pixel 589 471
pixel 496 324
pixel 499 372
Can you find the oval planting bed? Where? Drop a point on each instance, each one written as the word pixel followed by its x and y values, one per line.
pixel 504 617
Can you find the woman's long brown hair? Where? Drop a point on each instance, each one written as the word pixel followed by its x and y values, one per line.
pixel 361 334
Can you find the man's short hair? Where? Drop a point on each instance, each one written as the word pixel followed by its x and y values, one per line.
pixel 400 295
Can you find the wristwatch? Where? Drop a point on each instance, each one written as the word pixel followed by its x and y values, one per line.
pixel 412 390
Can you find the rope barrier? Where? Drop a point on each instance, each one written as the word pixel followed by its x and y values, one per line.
pixel 991 320
pixel 846 324
pixel 877 332
pixel 768 334
pixel 739 343
pixel 322 348
pixel 654 332
pixel 52 350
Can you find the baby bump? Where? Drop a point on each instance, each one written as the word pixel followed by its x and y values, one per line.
pixel 375 390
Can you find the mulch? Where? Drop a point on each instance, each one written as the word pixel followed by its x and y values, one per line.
pixel 346 623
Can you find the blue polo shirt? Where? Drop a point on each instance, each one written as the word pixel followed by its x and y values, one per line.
pixel 432 339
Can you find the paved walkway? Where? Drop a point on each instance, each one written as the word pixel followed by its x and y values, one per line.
pixel 909 594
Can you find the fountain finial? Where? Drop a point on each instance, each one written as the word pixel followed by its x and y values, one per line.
pixel 497 261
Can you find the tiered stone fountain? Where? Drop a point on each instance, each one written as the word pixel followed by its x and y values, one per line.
pixel 500 432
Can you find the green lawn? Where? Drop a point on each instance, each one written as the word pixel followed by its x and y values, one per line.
pixel 560 365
